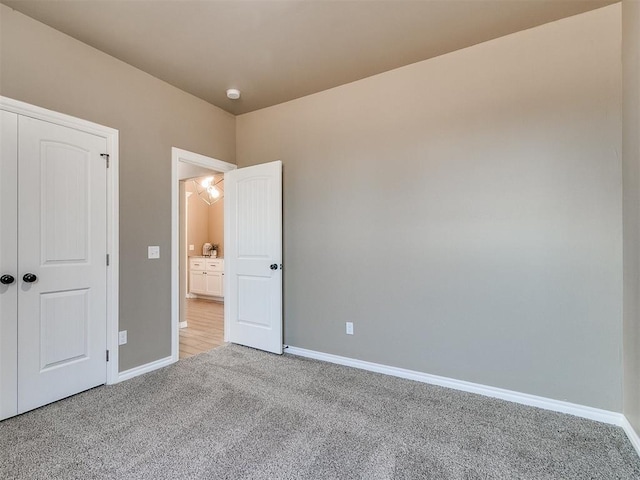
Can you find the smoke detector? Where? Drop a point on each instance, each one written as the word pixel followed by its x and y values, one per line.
pixel 233 93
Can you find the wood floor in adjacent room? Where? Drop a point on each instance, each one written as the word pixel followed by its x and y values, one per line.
pixel 205 327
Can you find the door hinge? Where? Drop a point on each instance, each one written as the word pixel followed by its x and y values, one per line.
pixel 107 259
pixel 107 355
pixel 106 157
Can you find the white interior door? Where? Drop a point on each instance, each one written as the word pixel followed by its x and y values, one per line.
pixel 62 232
pixel 8 264
pixel 253 256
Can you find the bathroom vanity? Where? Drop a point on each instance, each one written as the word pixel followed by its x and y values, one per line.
pixel 206 276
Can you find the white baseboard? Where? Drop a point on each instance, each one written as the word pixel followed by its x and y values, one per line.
pixel 206 297
pixel 583 411
pixel 631 434
pixel 182 325
pixel 149 367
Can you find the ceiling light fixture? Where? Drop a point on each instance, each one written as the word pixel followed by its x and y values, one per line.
pixel 209 190
pixel 233 93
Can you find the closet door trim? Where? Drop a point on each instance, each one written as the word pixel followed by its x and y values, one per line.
pixel 9 264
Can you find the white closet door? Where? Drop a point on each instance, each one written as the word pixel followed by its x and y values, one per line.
pixel 253 255
pixel 8 264
pixel 62 242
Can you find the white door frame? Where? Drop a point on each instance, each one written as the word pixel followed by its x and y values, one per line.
pixel 111 136
pixel 179 155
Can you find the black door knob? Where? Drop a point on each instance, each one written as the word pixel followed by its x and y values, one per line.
pixel 7 279
pixel 274 266
pixel 29 277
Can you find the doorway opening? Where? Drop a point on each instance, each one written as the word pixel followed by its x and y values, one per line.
pixel 197 277
pixel 202 222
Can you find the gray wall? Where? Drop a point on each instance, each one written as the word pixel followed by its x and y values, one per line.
pixel 464 212
pixel 44 67
pixel 631 178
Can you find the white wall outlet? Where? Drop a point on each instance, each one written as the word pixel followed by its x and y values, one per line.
pixel 192 248
pixel 349 328
pixel 122 337
pixel 154 252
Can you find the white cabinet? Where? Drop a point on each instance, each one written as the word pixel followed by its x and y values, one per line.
pixel 206 276
pixel 198 281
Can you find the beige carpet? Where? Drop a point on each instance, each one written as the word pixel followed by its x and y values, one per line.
pixel 236 413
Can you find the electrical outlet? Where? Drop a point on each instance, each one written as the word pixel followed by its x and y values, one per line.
pixel 153 252
pixel 122 337
pixel 192 248
pixel 349 328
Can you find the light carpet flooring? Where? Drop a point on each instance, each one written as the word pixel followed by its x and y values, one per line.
pixel 236 413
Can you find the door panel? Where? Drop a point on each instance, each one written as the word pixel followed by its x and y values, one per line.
pixel 198 283
pixel 8 264
pixel 64 328
pixel 65 186
pixel 62 239
pixel 214 283
pixel 253 245
pixel 254 294
pixel 254 217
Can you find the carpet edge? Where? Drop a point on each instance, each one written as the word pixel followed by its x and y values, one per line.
pixel 583 411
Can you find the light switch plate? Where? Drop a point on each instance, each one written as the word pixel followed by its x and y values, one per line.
pixel 154 252
pixel 191 248
pixel 122 337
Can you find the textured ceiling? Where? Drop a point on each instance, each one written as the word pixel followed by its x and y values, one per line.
pixel 274 51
